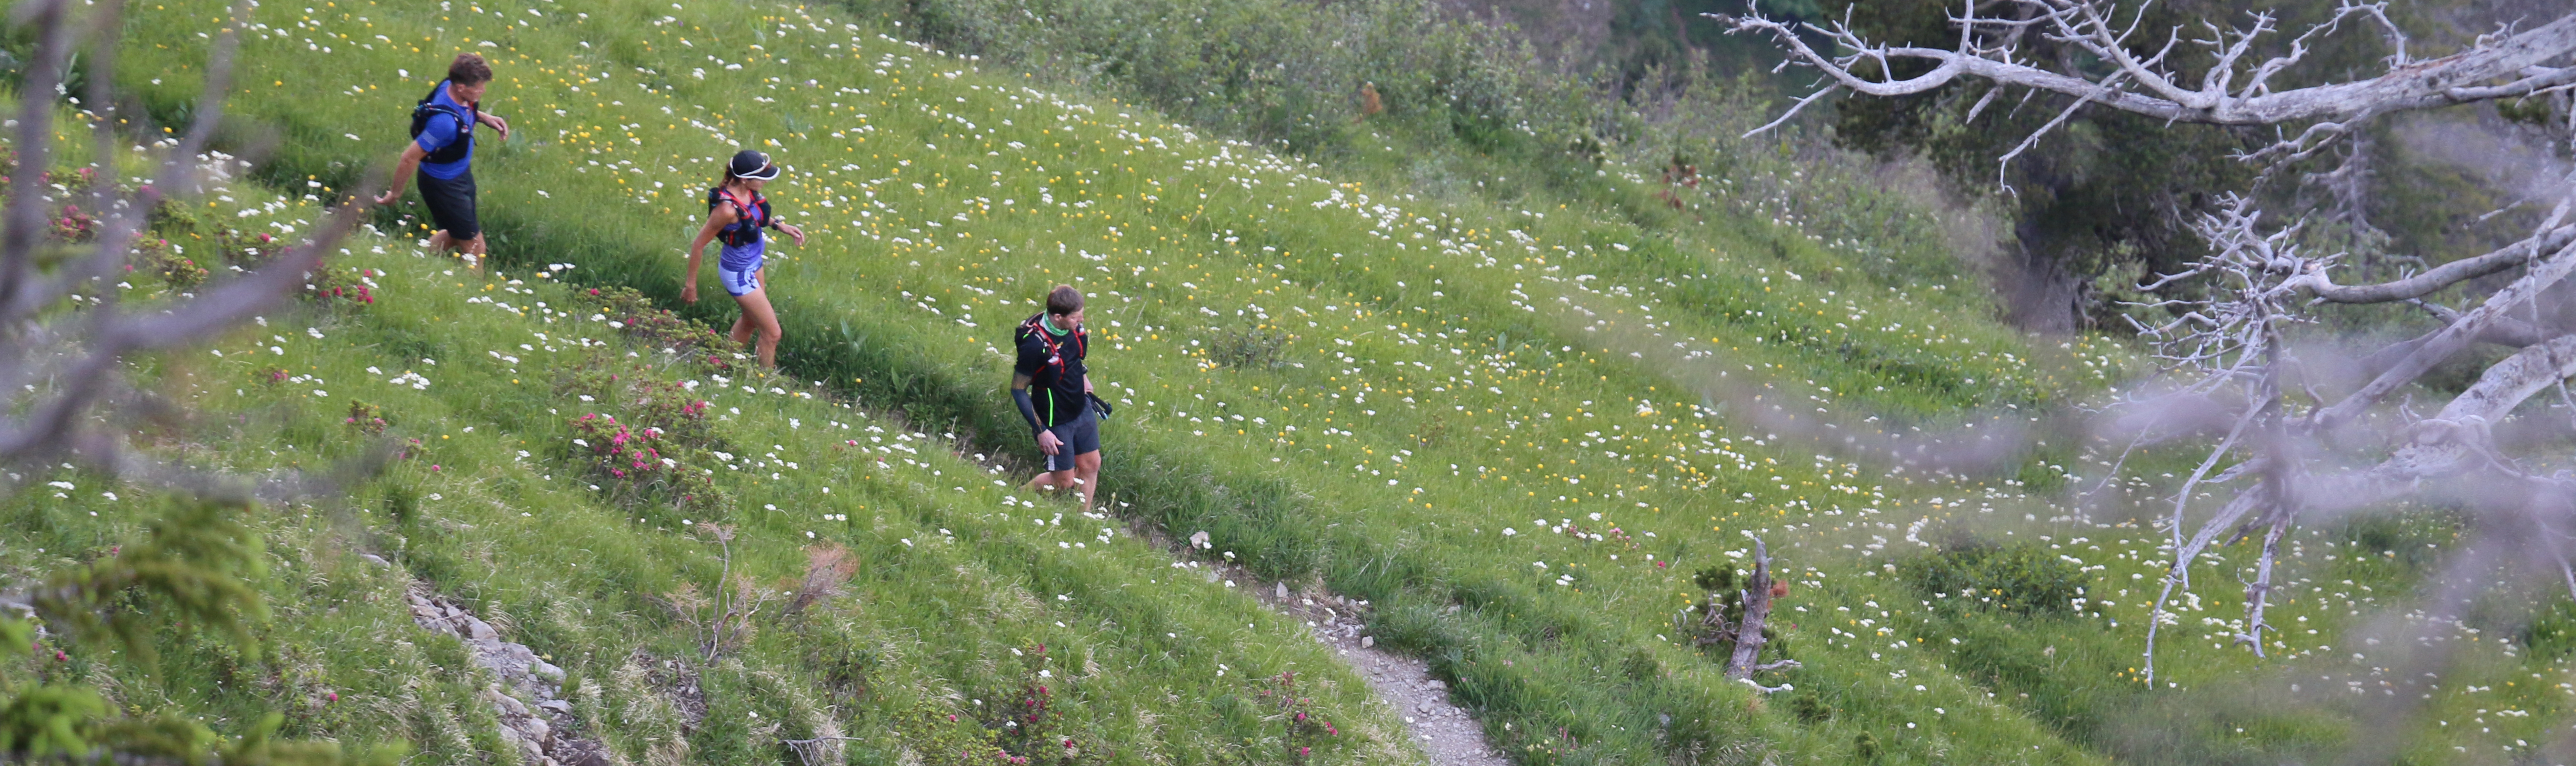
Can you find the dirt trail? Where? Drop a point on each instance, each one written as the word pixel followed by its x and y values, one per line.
pixel 1444 731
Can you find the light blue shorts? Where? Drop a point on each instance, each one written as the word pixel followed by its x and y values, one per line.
pixel 738 267
pixel 739 283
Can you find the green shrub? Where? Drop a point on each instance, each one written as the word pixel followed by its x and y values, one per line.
pixel 2412 539
pixel 1810 706
pixel 1246 349
pixel 1976 574
pixel 635 315
pixel 2552 631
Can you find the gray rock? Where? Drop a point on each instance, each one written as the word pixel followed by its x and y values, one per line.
pixel 507 704
pixel 536 729
pixel 516 741
pixel 478 629
pixel 557 707
pixel 376 560
pixel 546 670
pixel 1368 641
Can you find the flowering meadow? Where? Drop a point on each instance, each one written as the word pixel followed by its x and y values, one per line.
pixel 1518 431
pixel 513 488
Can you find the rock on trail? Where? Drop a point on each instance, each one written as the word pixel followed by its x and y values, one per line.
pixel 526 696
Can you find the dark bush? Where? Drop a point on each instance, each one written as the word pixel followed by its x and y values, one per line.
pixel 1249 349
pixel 1810 706
pixel 2412 539
pixel 1976 574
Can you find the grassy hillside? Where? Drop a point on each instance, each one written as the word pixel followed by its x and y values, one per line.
pixel 1496 423
pixel 964 601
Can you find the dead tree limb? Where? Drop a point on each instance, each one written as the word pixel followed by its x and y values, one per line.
pixel 2235 328
pixel 1757 611
pixel 62 361
pixel 2233 90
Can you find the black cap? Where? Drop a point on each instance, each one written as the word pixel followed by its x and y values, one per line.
pixel 754 164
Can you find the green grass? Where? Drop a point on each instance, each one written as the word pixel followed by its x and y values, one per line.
pixel 1413 377
pixel 960 580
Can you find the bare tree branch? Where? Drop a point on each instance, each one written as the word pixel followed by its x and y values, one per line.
pixel 2234 320
pixel 1757 611
pixel 62 359
pixel 2435 279
pixel 2217 100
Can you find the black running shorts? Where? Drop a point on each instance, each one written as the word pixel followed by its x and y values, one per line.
pixel 451 205
pixel 1080 437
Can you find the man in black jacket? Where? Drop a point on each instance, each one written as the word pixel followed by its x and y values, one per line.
pixel 1051 350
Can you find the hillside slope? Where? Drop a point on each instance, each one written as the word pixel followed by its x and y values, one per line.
pixel 1508 428
pixel 936 614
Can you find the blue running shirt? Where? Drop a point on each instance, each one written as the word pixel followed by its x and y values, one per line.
pixel 444 130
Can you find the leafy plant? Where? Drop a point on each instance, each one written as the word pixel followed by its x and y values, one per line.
pixel 1253 348
pixel 634 315
pixel 1975 574
pixel 1028 724
pixel 195 568
pixel 366 418
pixel 346 288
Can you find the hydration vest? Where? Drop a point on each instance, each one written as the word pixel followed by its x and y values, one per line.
pixel 429 109
pixel 751 216
pixel 1056 366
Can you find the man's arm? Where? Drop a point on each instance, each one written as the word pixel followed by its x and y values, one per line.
pixel 1047 442
pixel 1028 407
pixel 499 125
pixel 410 161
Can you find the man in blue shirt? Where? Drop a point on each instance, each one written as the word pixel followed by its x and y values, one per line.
pixel 442 149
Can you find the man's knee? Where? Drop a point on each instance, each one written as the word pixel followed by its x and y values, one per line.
pixel 1088 462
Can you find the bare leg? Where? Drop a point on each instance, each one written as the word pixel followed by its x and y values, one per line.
pixel 473 249
pixel 1052 481
pixel 1086 470
pixel 758 318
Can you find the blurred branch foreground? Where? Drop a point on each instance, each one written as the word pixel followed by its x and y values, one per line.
pixel 65 342
pixel 2310 430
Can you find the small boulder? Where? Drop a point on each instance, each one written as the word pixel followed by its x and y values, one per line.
pixel 536 729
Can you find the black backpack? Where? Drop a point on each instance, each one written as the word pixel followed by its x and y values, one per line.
pixel 1032 328
pixel 745 229
pixel 426 110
